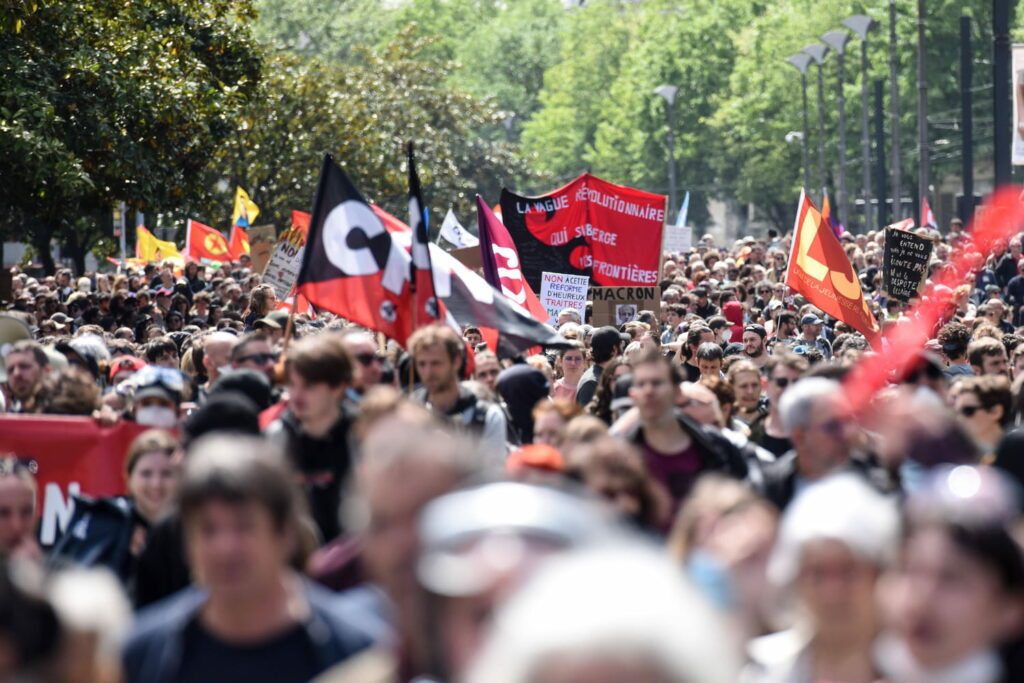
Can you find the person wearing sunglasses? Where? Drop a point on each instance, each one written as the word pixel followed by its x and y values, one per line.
pixel 812 415
pixel 369 362
pixel 254 352
pixel 768 430
pixel 983 405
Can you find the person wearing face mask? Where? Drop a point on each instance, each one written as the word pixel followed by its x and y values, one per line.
pixel 157 398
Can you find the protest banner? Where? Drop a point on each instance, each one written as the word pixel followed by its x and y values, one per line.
pixel 286 259
pixel 619 305
pixel 262 239
pixel 905 264
pixel 610 233
pixel 68 456
pixel 559 291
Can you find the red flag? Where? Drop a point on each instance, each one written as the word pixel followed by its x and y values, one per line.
pixel 501 262
pixel 203 242
pixel 426 307
pixel 820 270
pixel 927 217
pixel 239 243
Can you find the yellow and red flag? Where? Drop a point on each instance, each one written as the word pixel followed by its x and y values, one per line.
pixel 239 242
pixel 149 249
pixel 203 242
pixel 820 270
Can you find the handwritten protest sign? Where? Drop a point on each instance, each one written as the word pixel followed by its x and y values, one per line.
pixel 286 259
pixel 906 263
pixel 619 305
pixel 559 291
pixel 678 239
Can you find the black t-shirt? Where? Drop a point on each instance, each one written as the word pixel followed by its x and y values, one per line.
pixel 692 372
pixel 778 446
pixel 285 658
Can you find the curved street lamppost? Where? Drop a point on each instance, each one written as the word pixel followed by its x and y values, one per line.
pixel 817 52
pixel 837 41
pixel 862 24
pixel 800 62
pixel 668 92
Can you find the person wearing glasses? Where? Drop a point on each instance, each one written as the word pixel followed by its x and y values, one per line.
pixel 811 412
pixel 983 405
pixel 369 362
pixel 768 429
pixel 254 352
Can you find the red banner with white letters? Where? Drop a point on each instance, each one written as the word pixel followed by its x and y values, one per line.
pixel 67 455
pixel 611 233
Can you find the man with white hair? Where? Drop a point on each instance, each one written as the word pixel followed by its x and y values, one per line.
pixel 812 414
pixel 568 315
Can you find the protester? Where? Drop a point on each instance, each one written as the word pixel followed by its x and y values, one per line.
pixel 572 365
pixel 605 345
pixel 314 431
pixel 437 355
pixel 256 619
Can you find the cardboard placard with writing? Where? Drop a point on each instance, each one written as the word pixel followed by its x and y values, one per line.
pixel 905 265
pixel 612 304
pixel 262 239
pixel 559 291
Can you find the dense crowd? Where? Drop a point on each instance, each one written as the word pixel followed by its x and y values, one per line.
pixel 688 496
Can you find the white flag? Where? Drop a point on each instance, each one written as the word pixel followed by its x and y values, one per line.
pixel 453 231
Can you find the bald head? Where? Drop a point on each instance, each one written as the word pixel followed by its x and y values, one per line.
pixel 216 350
pixel 701 404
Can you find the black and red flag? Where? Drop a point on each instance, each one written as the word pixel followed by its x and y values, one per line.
pixel 426 309
pixel 352 266
pixel 359 264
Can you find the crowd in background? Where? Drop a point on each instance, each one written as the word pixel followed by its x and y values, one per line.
pixel 685 497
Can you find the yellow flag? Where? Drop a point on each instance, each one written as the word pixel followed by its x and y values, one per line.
pixel 151 250
pixel 245 211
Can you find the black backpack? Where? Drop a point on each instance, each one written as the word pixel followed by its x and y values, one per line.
pixel 98 535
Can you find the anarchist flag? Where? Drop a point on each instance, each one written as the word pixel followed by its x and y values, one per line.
pixel 500 261
pixel 358 261
pixel 425 305
pixel 352 266
pixel 820 270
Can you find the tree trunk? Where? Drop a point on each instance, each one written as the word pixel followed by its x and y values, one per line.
pixel 77 251
pixel 41 241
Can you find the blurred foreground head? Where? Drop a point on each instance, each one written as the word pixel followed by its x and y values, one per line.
pixel 618 612
pixel 478 545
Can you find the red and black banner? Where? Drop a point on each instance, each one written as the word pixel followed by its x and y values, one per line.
pixel 611 233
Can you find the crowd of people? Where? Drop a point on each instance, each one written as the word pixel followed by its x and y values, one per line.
pixel 687 496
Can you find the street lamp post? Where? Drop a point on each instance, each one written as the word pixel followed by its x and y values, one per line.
pixel 894 116
pixel 837 41
pixel 817 51
pixel 801 61
pixel 861 24
pixel 668 92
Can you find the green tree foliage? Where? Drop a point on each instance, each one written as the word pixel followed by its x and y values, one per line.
pixel 102 101
pixel 362 113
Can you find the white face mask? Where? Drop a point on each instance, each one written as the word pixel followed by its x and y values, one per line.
pixel 160 417
pixel 224 369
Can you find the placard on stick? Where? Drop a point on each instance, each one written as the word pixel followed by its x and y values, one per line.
pixel 559 291
pixel 905 264
pixel 618 305
pixel 262 239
